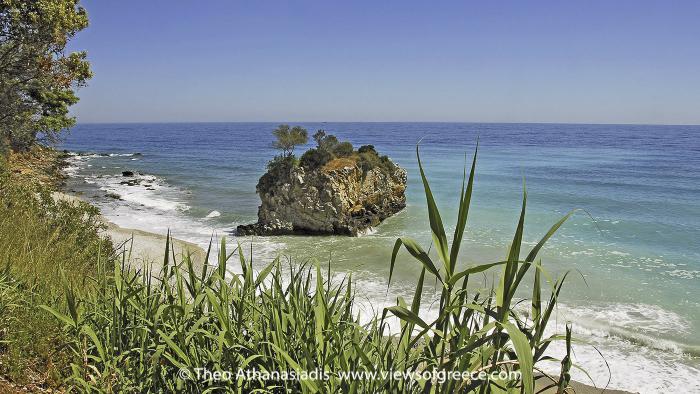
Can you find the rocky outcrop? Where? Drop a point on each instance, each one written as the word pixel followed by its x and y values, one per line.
pixel 338 198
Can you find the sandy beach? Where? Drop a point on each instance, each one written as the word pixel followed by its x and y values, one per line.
pixel 576 387
pixel 142 247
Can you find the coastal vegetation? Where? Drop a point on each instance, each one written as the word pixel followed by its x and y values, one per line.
pixel 328 154
pixel 46 245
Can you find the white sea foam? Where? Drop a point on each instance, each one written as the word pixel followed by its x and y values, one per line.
pixel 76 161
pixel 151 204
pixel 367 231
pixel 644 318
pixel 638 360
pixel 627 335
pixel 123 154
pixel 618 253
pixel 213 214
pixel 684 274
pixel 149 191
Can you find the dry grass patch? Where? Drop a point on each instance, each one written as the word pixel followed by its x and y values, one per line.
pixel 340 163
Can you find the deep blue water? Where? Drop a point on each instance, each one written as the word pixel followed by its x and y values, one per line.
pixel 636 243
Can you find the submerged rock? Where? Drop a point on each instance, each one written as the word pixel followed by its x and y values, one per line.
pixel 338 198
pixel 114 196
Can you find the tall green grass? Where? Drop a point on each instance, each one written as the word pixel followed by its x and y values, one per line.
pixel 44 244
pixel 139 332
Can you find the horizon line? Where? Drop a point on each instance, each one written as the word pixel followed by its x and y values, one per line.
pixel 383 121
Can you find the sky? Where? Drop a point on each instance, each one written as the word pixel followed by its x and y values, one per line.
pixel 450 61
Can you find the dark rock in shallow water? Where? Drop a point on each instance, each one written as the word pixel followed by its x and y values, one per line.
pixel 127 173
pixel 342 200
pixel 131 182
pixel 265 229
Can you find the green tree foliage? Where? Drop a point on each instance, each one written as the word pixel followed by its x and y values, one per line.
pixel 37 76
pixel 288 138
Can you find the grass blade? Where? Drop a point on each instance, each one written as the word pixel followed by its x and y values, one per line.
pixel 436 227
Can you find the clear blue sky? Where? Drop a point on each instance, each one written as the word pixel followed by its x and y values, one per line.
pixel 505 61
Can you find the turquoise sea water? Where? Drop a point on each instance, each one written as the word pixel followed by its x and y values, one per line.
pixel 636 258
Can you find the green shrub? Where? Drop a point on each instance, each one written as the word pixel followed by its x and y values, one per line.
pixel 278 169
pixel 343 149
pixel 314 158
pixel 367 149
pixel 327 148
pixel 282 163
pixel 369 160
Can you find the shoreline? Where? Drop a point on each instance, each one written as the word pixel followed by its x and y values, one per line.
pixel 144 248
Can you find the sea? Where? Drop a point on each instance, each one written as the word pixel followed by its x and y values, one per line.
pixel 632 250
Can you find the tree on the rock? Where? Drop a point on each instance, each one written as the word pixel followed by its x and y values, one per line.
pixel 288 138
pixel 325 142
pixel 37 77
pixel 319 136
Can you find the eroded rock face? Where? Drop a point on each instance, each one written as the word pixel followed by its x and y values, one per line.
pixel 342 201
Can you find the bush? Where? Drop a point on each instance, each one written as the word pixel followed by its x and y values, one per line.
pixel 314 158
pixel 369 160
pixel 343 149
pixel 278 168
pixel 367 149
pixel 282 163
pixel 387 164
